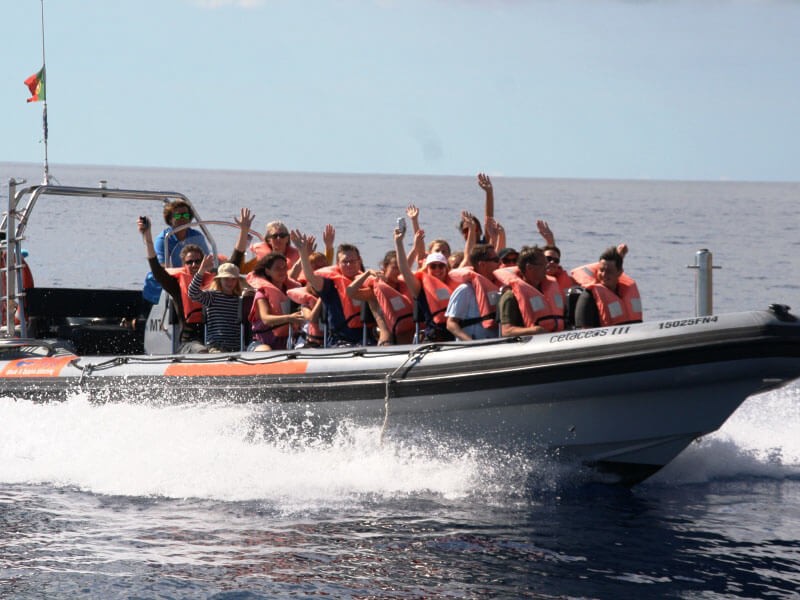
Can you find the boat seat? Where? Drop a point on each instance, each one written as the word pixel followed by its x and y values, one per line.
pixel 94 321
pixel 572 294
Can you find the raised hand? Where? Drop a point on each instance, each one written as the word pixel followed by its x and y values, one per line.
pixel 245 219
pixel 484 182
pixel 546 232
pixel 328 235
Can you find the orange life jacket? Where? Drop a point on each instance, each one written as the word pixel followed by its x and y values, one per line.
pixel 543 308
pixel 486 293
pixel 192 311
pixel 397 307
pixel 625 306
pixel 437 294
pixel 586 275
pixel 564 281
pixel 300 295
pixel 279 304
pixel 350 307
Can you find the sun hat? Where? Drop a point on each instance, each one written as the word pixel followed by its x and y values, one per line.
pixel 227 270
pixel 435 257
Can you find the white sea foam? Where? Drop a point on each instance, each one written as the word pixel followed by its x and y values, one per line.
pixel 222 452
pixel 759 440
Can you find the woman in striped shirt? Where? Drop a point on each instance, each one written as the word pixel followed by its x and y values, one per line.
pixel 222 301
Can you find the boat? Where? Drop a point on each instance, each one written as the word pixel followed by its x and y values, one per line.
pixel 624 400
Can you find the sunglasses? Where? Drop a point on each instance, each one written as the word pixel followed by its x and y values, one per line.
pixel 278 235
pixel 552 259
pixel 437 266
pixel 510 260
pixel 195 261
pixel 184 215
pixel 494 259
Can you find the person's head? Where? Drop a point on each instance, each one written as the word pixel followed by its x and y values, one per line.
pixel 389 267
pixel 508 257
pixel 273 268
pixel 318 260
pixel 277 236
pixel 227 280
pixel 177 213
pixel 532 265
pixel 440 246
pixel 484 260
pixel 348 259
pixel 462 226
pixel 455 259
pixel 191 256
pixel 610 268
pixel 436 265
pixel 553 257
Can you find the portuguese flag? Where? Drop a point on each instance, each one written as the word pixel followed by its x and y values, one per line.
pixel 35 84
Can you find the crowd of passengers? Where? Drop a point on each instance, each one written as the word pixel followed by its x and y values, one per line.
pixel 426 293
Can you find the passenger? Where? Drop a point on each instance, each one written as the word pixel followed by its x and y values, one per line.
pixel 276 239
pixel 472 308
pixel 508 257
pixel 431 287
pixel 455 259
pixel 270 316
pixel 343 312
pixel 26 281
pixel 532 302
pixel 440 246
pixel 495 233
pixel 312 334
pixel 222 301
pixel 553 256
pixel 612 299
pixel 176 280
pixel 169 245
pixel 389 290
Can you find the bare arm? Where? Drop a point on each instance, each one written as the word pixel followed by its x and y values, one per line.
pixel 486 185
pixel 244 222
pixel 301 242
pixel 405 269
pixel 454 327
pixel 356 289
pixel 472 237
pixel 295 319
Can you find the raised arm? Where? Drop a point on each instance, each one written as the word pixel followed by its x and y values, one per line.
pixel 402 263
pixel 245 221
pixel 472 237
pixel 486 185
pixel 301 242
pixel 328 237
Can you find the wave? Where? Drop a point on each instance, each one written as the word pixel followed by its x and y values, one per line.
pixel 758 441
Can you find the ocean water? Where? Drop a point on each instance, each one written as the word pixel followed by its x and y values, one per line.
pixel 138 501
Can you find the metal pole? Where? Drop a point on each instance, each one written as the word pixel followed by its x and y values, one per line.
pixel 9 271
pixel 704 283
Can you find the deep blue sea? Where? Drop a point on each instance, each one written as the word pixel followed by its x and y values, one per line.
pixel 132 500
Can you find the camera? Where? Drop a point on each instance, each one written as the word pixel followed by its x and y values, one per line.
pixel 401 224
pixel 145 221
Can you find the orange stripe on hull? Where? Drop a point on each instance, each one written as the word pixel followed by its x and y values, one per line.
pixel 233 369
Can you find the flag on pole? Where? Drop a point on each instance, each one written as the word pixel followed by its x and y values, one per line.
pixel 35 84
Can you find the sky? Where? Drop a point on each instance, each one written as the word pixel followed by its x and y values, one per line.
pixel 613 89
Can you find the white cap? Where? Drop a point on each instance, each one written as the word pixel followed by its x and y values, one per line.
pixel 435 257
